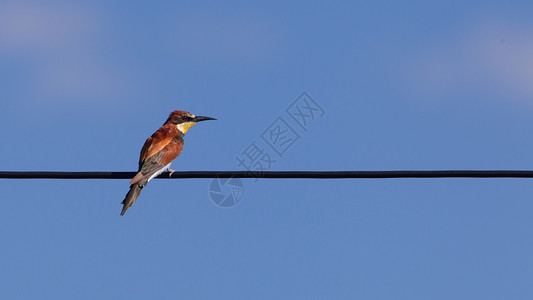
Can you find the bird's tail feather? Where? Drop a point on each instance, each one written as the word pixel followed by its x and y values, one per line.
pixel 131 196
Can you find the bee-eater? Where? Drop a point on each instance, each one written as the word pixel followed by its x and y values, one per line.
pixel 159 151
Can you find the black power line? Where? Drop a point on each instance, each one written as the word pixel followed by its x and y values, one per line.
pixel 278 174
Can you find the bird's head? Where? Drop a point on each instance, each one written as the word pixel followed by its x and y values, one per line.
pixel 184 120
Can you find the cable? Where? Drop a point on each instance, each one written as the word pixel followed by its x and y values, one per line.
pixel 278 174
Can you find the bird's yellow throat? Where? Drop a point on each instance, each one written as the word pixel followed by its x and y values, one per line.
pixel 183 127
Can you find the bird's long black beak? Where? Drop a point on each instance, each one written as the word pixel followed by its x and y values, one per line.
pixel 201 118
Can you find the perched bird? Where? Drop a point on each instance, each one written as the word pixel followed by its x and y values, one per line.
pixel 159 151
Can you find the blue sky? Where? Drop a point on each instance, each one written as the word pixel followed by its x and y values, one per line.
pixel 404 85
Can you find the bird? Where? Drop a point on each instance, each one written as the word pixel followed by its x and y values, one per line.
pixel 158 152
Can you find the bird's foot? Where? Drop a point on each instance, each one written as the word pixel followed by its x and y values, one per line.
pixel 170 171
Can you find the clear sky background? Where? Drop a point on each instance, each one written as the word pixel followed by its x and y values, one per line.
pixel 404 85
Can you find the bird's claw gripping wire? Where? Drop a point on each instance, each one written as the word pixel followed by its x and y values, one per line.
pixel 170 172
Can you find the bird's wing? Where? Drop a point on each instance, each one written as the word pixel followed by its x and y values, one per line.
pixel 155 163
pixel 156 143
